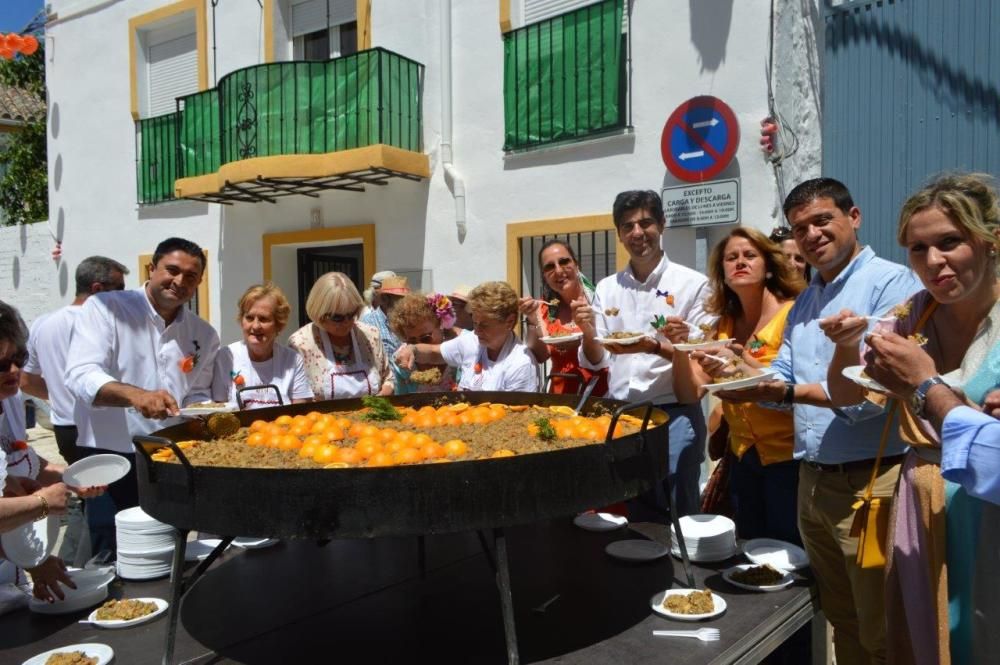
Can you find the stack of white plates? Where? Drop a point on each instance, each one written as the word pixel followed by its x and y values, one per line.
pixel 707 537
pixel 145 546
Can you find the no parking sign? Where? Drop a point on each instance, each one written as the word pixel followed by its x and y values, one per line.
pixel 699 139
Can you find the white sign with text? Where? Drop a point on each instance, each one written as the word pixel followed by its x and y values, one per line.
pixel 703 203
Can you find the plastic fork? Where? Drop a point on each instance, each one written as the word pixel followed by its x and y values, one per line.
pixel 880 319
pixel 703 634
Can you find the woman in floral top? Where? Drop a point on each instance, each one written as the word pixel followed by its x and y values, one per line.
pixel 551 318
pixel 343 358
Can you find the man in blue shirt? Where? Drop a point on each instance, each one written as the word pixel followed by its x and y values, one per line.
pixel 837 447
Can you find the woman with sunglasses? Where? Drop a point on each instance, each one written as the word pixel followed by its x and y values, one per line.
pixel 782 236
pixel 425 319
pixel 32 486
pixel 257 360
pixel 492 358
pixel 551 317
pixel 343 357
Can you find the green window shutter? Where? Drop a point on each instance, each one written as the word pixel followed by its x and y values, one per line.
pixel 563 77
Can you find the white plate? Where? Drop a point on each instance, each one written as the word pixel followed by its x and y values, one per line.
pixel 102 652
pixel 254 543
pixel 705 557
pixel 854 373
pixel 778 553
pixel 728 576
pixel 657 605
pixel 625 341
pixel 704 345
pixel 636 550
pixel 161 607
pixel 561 339
pixel 96 470
pixel 738 384
pixel 91 589
pixel 599 521
pixel 29 545
pixel 198 550
pixel 705 525
pixel 207 410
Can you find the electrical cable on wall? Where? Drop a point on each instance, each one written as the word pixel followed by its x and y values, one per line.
pixel 785 141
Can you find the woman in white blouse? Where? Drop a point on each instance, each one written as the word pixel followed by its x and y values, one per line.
pixel 492 358
pixel 32 486
pixel 257 360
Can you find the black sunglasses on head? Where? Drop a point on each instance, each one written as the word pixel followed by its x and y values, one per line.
pixel 338 318
pixel 18 359
pixel 563 262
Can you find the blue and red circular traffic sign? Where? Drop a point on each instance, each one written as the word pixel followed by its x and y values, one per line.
pixel 699 139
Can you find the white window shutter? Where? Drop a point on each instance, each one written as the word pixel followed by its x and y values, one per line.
pixel 538 10
pixel 173 72
pixel 311 15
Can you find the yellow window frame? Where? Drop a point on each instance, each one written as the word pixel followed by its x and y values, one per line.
pixel 363 15
pixel 148 21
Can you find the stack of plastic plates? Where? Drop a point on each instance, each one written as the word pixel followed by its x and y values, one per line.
pixel 145 546
pixel 707 537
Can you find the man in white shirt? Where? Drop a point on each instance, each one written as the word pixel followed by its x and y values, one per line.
pixel 43 376
pixel 652 294
pixel 48 344
pixel 137 356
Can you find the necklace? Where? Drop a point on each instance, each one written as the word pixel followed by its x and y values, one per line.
pixel 341 354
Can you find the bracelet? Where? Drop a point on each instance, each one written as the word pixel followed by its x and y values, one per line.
pixel 45 508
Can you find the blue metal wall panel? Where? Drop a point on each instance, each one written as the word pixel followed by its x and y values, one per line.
pixel 910 88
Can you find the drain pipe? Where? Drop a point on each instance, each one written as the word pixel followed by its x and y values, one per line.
pixel 452 177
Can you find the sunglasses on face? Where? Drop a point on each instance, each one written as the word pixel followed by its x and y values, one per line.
pixel 563 262
pixel 423 339
pixel 18 359
pixel 338 318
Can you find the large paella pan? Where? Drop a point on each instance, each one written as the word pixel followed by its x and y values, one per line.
pixel 408 499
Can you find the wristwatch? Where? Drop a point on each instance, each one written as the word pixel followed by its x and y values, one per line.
pixel 918 400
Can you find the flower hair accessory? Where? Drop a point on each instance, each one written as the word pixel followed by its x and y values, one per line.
pixel 443 309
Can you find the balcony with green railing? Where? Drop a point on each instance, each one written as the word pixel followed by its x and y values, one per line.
pixel 288 128
pixel 566 78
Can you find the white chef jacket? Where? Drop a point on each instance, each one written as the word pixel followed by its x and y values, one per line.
pixel 48 345
pixel 670 290
pixel 118 336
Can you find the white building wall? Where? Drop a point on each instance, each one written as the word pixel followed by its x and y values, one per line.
pixel 680 49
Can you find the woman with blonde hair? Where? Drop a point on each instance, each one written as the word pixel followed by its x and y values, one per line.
pixel 257 359
pixel 492 358
pixel 343 357
pixel 753 288
pixel 950 230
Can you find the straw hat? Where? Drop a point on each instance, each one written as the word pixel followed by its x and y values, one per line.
pixel 461 293
pixel 380 277
pixel 395 286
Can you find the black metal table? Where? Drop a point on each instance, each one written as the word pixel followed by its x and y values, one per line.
pixel 368 601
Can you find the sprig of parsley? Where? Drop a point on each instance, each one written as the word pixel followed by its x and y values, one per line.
pixel 545 430
pixel 379 408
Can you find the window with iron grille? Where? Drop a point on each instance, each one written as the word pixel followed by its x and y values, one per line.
pixel 566 77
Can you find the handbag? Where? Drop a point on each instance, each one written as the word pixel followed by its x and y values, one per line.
pixel 871 516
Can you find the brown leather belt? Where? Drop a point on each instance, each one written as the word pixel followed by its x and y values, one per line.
pixel 855 465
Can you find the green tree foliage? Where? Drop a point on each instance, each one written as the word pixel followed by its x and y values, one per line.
pixel 24 188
